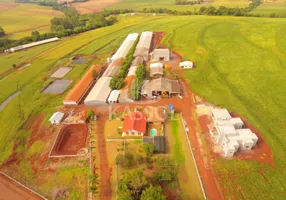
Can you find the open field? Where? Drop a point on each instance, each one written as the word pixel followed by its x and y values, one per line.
pixel 269 8
pixel 170 4
pixel 19 20
pixel 178 147
pixel 240 65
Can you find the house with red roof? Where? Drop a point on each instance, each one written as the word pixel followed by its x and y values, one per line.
pixel 135 124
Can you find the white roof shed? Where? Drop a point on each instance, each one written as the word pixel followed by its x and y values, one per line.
pixel 157 64
pixel 144 44
pixel 125 46
pixel 99 93
pixel 113 97
pixel 186 64
pixel 56 118
pixel 220 114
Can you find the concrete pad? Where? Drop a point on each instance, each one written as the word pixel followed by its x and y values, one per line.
pixel 61 72
pixel 57 87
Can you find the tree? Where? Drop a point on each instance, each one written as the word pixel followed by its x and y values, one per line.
pixel 116 83
pixel 36 36
pixel 2 32
pixel 134 181
pixel 149 149
pixel 125 161
pixel 153 193
pixel 90 114
pixel 14 65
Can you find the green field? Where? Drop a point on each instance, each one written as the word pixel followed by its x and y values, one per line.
pixel 170 4
pixel 20 20
pixel 269 8
pixel 241 65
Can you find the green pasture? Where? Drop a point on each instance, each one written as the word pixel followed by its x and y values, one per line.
pixel 178 146
pixel 240 65
pixel 269 8
pixel 21 20
pixel 170 4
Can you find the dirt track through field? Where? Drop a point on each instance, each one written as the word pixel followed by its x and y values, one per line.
pixel 105 170
pixel 11 190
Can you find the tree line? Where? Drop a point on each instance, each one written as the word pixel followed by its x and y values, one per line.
pixel 71 23
pixel 186 2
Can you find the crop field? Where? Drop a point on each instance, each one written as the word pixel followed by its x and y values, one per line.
pixel 269 8
pixel 19 20
pixel 170 4
pixel 240 65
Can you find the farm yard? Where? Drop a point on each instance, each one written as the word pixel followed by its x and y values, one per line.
pixel 251 87
pixel 19 20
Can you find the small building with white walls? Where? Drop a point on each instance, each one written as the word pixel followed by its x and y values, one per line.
pixel 161 55
pixel 231 135
pixel 57 118
pixel 113 97
pixel 157 64
pixel 186 65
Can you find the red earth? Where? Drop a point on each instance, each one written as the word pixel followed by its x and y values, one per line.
pixel 11 190
pixel 71 139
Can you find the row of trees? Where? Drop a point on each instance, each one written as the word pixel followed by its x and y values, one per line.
pixel 186 2
pixel 137 82
pixel 117 82
pixel 2 32
pixel 71 23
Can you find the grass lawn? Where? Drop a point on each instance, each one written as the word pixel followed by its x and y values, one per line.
pixel 178 147
pixel 20 20
pixel 240 65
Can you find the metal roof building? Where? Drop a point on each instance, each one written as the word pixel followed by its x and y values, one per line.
pixel 144 44
pixel 33 44
pixel 156 72
pixel 113 97
pixel 186 64
pixel 138 60
pixel 56 118
pixel 99 93
pixel 113 68
pixel 157 64
pixel 125 46
pixel 161 54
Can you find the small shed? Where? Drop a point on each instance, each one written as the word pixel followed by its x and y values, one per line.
pixel 56 118
pixel 187 64
pixel 157 64
pixel 161 55
pixel 113 97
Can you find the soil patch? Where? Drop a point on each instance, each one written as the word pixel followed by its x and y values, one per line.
pixel 79 61
pixel 93 6
pixel 7 6
pixel 57 87
pixel 61 72
pixel 71 139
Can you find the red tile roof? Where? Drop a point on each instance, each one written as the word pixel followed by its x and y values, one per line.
pixel 80 88
pixel 135 121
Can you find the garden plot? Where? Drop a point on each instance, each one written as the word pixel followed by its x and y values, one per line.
pixel 61 72
pixel 71 141
pixel 57 87
pixel 79 61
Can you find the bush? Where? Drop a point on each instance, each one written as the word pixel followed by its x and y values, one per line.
pixel 125 161
pixel 116 83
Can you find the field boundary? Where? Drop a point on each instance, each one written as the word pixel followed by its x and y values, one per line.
pixel 23 185
pixel 190 145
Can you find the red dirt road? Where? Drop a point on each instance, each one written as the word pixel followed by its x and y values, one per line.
pixel 105 170
pixel 11 190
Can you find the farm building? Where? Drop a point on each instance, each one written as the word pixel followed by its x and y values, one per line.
pixel 138 60
pixel 161 55
pixel 113 97
pixel 132 71
pixel 157 64
pixel 231 136
pixel 113 68
pixel 160 87
pixel 156 72
pixel 80 89
pixel 186 64
pixel 99 93
pixel 125 46
pixel 33 44
pixel 57 118
pixel 134 124
pixel 144 44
